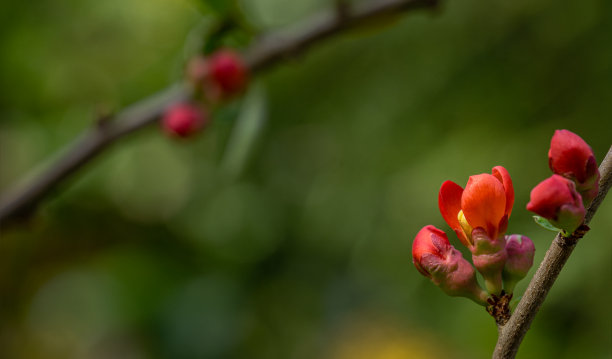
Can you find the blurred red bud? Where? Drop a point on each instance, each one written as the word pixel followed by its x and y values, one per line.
pixel 184 119
pixel 228 73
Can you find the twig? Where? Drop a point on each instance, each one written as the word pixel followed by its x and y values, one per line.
pixel 106 131
pixel 263 54
pixel 511 334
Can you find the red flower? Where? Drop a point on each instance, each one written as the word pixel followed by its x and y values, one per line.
pixel 434 257
pixel 571 157
pixel 557 200
pixel 485 203
pixel 184 119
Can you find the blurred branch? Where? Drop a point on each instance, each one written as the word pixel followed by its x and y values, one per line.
pixel 290 43
pixel 107 130
pixel 512 333
pixel 264 53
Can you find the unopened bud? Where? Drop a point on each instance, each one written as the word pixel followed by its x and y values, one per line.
pixel 557 200
pixel 520 250
pixel 184 119
pixel 571 157
pixel 437 259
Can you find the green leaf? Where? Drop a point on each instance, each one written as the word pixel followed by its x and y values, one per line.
pixel 544 223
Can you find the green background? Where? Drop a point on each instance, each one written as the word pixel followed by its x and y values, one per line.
pixel 156 250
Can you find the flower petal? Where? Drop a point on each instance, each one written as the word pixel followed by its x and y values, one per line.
pixel 504 177
pixel 430 241
pixel 549 195
pixel 484 202
pixel 569 155
pixel 449 201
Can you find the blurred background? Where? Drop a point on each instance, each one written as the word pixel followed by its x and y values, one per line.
pixel 302 248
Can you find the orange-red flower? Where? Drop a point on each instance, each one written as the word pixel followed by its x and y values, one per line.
pixel 486 202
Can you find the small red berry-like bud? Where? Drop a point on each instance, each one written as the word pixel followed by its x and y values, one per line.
pixel 184 119
pixel 227 73
pixel 557 200
pixel 571 157
pixel 435 258
pixel 520 251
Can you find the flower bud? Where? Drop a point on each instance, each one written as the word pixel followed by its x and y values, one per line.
pixel 434 257
pixel 228 75
pixel 184 119
pixel 489 257
pixel 557 200
pixel 571 157
pixel 520 250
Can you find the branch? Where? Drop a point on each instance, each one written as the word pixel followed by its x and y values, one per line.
pixel 511 334
pixel 268 51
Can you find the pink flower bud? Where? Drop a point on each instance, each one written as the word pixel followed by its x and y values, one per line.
pixel 557 200
pixel 520 250
pixel 435 258
pixel 489 257
pixel 571 157
pixel 228 74
pixel 184 119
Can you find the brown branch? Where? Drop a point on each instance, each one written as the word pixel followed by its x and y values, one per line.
pixel 511 334
pixel 263 54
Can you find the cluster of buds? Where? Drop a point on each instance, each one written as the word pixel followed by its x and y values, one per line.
pixel 479 216
pixel 217 78
pixel 561 199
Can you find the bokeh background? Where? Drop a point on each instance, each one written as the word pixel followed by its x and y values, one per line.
pixel 303 248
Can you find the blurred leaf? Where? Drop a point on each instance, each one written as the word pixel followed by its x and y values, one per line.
pixel 246 130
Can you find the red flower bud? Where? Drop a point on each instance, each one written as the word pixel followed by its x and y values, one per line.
pixel 557 200
pixel 520 250
pixel 486 202
pixel 435 258
pixel 571 157
pixel 228 74
pixel 184 119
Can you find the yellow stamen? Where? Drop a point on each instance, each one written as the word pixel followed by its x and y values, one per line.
pixel 467 229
